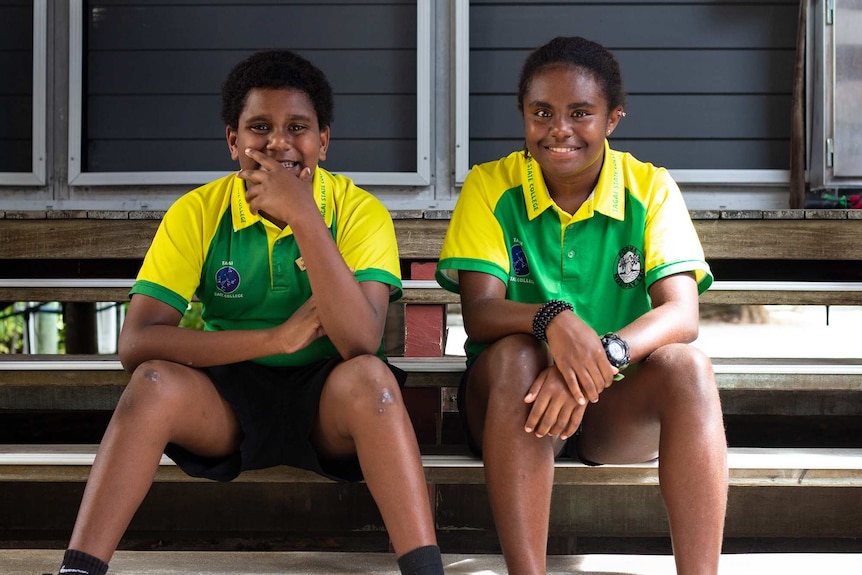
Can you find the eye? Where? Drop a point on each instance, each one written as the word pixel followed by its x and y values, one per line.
pixel 543 113
pixel 259 127
pixel 579 114
pixel 297 128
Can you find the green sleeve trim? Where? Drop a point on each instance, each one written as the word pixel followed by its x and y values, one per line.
pixel 382 276
pixel 160 293
pixel 447 271
pixel 702 273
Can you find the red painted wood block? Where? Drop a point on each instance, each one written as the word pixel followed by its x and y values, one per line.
pixel 422 270
pixel 424 328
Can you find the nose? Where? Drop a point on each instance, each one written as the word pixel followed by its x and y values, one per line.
pixel 279 140
pixel 561 127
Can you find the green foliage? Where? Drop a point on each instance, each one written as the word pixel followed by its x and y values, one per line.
pixel 192 318
pixel 11 330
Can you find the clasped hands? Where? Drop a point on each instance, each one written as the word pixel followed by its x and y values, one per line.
pixel 580 372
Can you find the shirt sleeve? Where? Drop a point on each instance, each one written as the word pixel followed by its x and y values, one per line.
pixel 671 242
pixel 172 267
pixel 366 240
pixel 474 239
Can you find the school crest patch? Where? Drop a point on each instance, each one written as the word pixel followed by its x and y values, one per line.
pixel 519 261
pixel 227 279
pixel 629 267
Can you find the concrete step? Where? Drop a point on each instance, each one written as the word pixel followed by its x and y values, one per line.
pixel 33 562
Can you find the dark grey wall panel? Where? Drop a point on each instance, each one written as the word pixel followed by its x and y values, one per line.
pixel 192 71
pixel 659 25
pixel 708 81
pixel 287 25
pixel 658 71
pixel 16 119
pixel 16 69
pixel 16 87
pixel 154 72
pixel 16 155
pixel 16 25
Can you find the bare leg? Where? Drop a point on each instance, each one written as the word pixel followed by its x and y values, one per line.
pixel 670 408
pixel 164 402
pixel 362 413
pixel 519 467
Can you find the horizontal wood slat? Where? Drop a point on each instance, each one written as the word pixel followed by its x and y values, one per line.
pixel 778 239
pixel 785 467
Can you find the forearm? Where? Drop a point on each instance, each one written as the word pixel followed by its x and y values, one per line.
pixel 351 322
pixel 196 348
pixel 488 319
pixel 672 322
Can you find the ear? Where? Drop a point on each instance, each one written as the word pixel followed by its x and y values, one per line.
pixel 230 135
pixel 614 119
pixel 324 144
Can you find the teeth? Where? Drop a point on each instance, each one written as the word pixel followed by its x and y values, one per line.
pixel 288 164
pixel 562 149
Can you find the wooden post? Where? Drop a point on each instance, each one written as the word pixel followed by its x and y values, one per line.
pixel 80 320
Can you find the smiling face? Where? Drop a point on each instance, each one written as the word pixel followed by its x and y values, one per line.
pixel 281 123
pixel 566 121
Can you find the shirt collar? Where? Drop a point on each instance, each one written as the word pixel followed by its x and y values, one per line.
pixel 608 197
pixel 322 188
pixel 536 196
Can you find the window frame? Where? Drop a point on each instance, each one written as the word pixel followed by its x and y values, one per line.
pixel 78 177
pixel 36 175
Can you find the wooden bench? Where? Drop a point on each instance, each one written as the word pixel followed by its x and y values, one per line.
pixel 780 385
pixel 797 467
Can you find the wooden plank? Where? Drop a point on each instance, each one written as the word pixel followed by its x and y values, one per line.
pixel 779 239
pixel 777 467
pixel 76 239
pixel 801 239
pixel 767 293
pixel 763 386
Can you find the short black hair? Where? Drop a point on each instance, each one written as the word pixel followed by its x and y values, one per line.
pixel 276 69
pixel 580 53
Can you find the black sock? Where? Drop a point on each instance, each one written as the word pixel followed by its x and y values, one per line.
pixel 422 561
pixel 80 563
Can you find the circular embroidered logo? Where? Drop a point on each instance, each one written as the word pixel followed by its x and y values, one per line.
pixel 629 267
pixel 519 261
pixel 227 279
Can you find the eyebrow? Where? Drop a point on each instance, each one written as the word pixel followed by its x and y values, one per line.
pixel 571 106
pixel 268 118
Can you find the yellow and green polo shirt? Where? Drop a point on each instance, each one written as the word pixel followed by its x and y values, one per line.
pixel 633 230
pixel 247 272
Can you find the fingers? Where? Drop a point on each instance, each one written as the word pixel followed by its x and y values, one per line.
pixel 536 387
pixel 554 410
pixel 265 161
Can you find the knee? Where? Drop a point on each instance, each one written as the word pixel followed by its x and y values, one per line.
pixel 362 381
pixel 685 372
pixel 513 363
pixel 153 383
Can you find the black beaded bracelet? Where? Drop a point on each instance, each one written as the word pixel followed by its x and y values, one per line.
pixel 548 311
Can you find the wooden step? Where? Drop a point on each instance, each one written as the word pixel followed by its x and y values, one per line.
pixel 768 385
pixel 784 467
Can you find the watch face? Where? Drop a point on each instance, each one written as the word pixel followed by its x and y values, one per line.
pixel 615 350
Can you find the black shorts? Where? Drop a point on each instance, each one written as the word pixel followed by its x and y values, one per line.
pixel 276 408
pixel 569 450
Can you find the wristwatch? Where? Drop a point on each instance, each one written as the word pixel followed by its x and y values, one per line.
pixel 616 349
